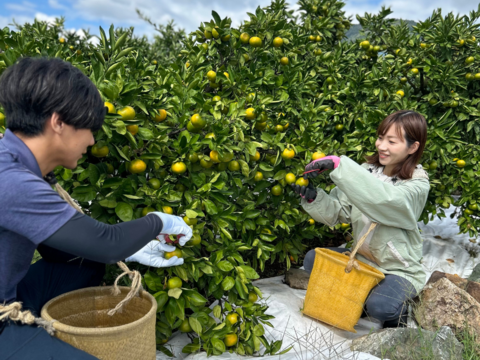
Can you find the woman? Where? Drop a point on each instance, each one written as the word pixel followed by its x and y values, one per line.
pixel 391 190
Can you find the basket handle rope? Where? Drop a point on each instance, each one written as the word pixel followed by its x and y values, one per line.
pixel 134 275
pixel 352 263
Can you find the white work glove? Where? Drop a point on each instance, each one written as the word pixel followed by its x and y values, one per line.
pixel 152 255
pixel 173 225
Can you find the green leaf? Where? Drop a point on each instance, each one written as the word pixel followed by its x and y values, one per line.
pixel 191 214
pixel 250 273
pixel 217 311
pixel 258 330
pixel 218 344
pixel 189 349
pixel 108 203
pixel 145 134
pixel 228 283
pixel 124 211
pixel 162 298
pixel 195 324
pixel 175 293
pixel 225 265
pixel 210 207
pixel 244 167
pixel 84 193
pixel 153 281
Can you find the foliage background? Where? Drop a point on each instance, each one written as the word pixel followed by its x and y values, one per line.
pixel 330 98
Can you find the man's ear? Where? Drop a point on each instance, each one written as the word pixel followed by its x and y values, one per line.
pixel 55 124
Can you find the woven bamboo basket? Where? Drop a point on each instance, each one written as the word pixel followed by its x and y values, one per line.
pixel 81 320
pixel 339 286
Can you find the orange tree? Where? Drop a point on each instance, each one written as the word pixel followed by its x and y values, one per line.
pixel 217 135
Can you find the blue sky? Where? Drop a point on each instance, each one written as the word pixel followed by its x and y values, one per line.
pixel 189 13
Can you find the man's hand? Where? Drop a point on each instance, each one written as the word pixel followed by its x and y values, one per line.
pixel 152 254
pixel 174 225
pixel 307 192
pixel 320 165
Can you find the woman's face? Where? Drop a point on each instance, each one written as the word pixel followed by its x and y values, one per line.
pixel 392 149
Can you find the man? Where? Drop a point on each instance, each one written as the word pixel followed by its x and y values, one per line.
pixel 52 109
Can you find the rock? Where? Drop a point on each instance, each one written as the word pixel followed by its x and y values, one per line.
pixel 471 287
pixel 444 304
pixel 408 343
pixel 297 279
pixel 475 275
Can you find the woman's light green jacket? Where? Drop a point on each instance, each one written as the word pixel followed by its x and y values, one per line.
pixel 395 245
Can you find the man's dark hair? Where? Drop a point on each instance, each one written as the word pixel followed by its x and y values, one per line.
pixel 35 88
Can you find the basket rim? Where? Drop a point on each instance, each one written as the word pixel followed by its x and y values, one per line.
pixel 364 268
pixel 92 331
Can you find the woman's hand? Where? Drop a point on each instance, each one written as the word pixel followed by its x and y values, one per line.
pixel 307 192
pixel 320 165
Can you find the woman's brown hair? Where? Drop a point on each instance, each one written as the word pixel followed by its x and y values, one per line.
pixel 415 128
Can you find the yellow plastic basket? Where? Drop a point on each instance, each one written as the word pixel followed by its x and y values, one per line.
pixel 339 286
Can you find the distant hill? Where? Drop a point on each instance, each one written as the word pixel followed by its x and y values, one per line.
pixel 354 32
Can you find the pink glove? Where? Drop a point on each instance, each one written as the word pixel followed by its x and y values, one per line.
pixel 320 165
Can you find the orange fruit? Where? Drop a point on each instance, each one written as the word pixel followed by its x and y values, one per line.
pixel 137 166
pixel 185 326
pixel 197 121
pixel 216 98
pixel 365 44
pixel 195 240
pixel 167 210
pixel 233 165
pixel 318 52
pixel 215 33
pixel 255 41
pixel 99 152
pixel 214 156
pixel 174 282
pixel 252 297
pixel 61 40
pixel 154 183
pixel 208 34
pixel 133 129
pixel 469 60
pixel 210 136
pixel 279 128
pixel 111 107
pixel 250 114
pixel 284 61
pixel 193 157
pixel 179 167
pixel 461 163
pixel 277 190
pixel 345 226
pixel 311 221
pixel 232 318
pixel 246 57
pixel 226 37
pixel 147 210
pixel 256 157
pixel 318 155
pixel 302 182
pixel 277 42
pixel 414 71
pixel 230 340
pixel 290 178
pixel 339 127
pixel 244 38
pixel 127 113
pixel 162 115
pixel 206 162
pixel 212 75
pixel 190 221
pixel 400 93
pixel 258 176
pixel 288 154
pixel 260 126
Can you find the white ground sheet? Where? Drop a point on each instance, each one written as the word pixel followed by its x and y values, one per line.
pixel 443 250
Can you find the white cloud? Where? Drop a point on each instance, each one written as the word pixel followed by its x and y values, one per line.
pixel 410 10
pixel 45 17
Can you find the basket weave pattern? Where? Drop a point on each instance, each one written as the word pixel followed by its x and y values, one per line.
pixel 82 321
pixel 334 296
